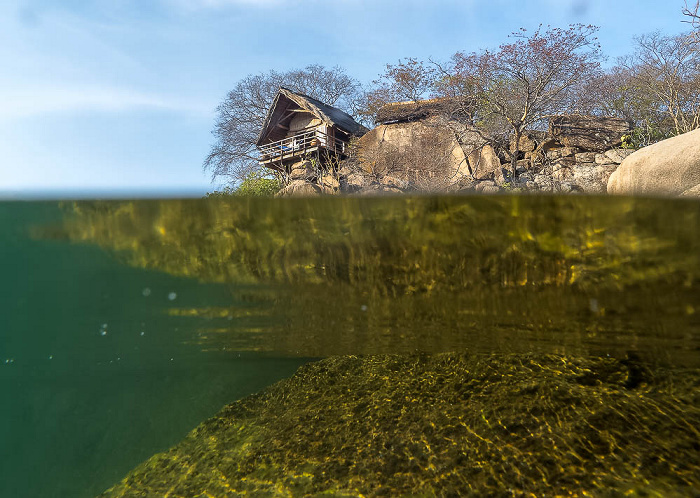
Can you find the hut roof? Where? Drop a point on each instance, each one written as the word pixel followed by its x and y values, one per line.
pixel 414 110
pixel 330 115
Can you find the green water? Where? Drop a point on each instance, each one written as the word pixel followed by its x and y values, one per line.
pixel 79 408
pixel 132 322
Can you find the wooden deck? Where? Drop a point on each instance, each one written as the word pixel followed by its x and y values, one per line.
pixel 299 145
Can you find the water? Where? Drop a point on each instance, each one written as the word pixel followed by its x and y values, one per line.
pixel 132 322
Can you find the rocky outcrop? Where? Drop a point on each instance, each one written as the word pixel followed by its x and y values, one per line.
pixel 417 148
pixel 669 167
pixel 414 155
pixel 566 170
pixel 590 133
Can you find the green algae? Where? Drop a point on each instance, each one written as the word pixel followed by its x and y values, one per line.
pixel 445 425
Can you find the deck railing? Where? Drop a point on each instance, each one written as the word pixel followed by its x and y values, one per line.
pixel 300 143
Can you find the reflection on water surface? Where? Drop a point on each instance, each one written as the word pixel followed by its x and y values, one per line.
pixel 431 274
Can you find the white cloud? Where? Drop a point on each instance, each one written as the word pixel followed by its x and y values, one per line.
pixel 33 101
pixel 193 5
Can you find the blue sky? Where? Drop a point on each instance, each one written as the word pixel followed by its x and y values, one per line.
pixel 118 97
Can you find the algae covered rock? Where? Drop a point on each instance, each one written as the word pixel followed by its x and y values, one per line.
pixel 446 425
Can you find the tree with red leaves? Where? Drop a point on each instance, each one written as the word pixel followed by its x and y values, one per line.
pixel 525 82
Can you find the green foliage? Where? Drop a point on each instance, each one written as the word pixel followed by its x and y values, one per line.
pixel 646 134
pixel 255 184
pixel 627 142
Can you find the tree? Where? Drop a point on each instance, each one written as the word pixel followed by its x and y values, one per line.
pixel 666 71
pixel 255 184
pixel 242 113
pixel 693 15
pixel 523 83
pixel 409 80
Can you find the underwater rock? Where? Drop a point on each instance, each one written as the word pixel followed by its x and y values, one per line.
pixel 448 425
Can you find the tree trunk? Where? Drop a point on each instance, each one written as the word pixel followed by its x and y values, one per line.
pixel 515 154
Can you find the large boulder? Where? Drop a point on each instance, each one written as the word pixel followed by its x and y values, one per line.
pixel 484 163
pixel 424 153
pixel 669 167
pixel 300 188
pixel 589 133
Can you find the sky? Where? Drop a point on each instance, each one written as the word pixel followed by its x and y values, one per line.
pixel 117 98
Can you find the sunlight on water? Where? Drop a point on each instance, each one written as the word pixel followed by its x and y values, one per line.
pixel 489 345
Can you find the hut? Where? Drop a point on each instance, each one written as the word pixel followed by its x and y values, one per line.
pixel 298 127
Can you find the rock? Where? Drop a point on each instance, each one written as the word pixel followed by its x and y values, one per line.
pixel 588 178
pixel 692 192
pixel 486 187
pixel 425 152
pixel 414 425
pixel 302 170
pixel 380 189
pixel 353 182
pixel 590 133
pixel 557 153
pixel 544 182
pixel 561 168
pixel 330 182
pixel 669 167
pixel 395 182
pixel 483 162
pixel 299 188
pixel 522 166
pixel 585 157
pixel 618 155
pixel 601 158
pixel 528 141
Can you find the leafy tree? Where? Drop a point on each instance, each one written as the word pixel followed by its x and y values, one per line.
pixel 255 184
pixel 241 114
pixel 523 83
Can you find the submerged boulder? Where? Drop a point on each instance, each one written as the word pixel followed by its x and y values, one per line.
pixel 669 167
pixel 444 425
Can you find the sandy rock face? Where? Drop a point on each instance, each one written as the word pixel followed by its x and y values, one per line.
pixel 669 167
pixel 299 188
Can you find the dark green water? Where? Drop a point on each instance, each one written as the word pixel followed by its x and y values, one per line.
pixel 79 408
pixel 126 324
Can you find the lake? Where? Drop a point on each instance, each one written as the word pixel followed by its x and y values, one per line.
pixel 378 346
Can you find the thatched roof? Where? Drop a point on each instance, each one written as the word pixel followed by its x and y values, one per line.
pixel 330 115
pixel 415 110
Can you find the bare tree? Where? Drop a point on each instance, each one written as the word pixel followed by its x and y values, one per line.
pixel 241 114
pixel 523 83
pixel 409 80
pixel 693 15
pixel 666 70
